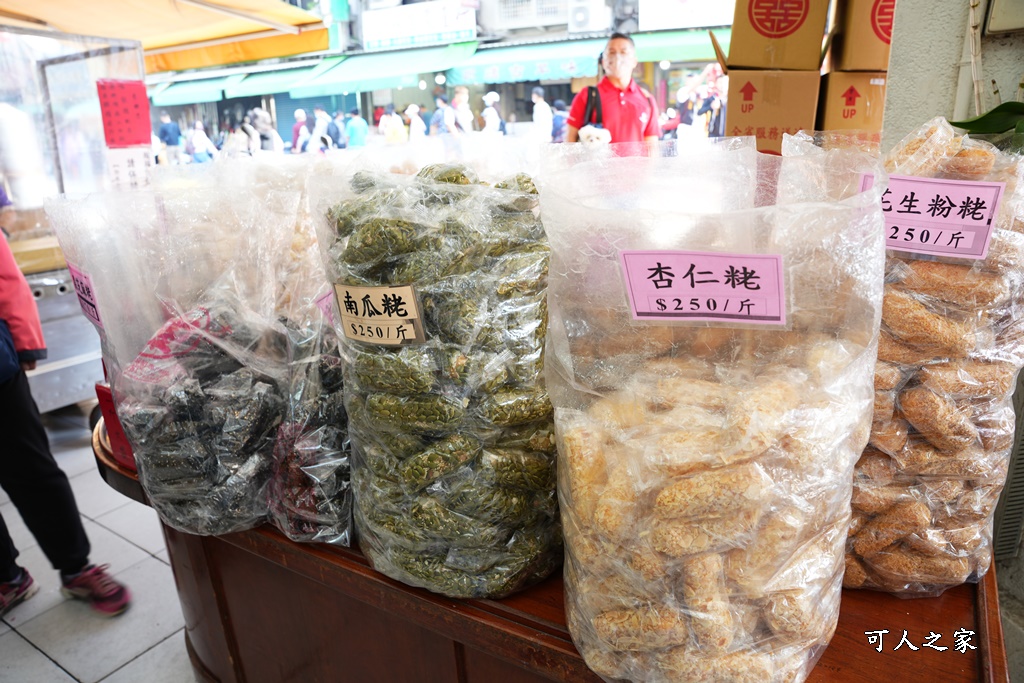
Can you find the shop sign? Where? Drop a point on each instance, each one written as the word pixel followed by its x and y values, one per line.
pixel 124 108
pixel 939 217
pixel 541 70
pixel 418 25
pixel 660 15
pixel 705 286
pixel 387 316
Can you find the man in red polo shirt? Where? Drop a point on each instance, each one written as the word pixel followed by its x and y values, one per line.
pixel 628 112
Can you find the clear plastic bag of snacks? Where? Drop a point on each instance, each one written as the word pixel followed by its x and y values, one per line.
pixel 441 283
pixel 310 494
pixel 201 380
pixel 926 488
pixel 704 456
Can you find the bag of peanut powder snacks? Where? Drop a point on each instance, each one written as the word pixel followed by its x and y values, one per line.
pixel 950 349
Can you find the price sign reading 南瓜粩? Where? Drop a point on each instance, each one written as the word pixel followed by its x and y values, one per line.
pixel 937 216
pixel 388 316
pixel 705 286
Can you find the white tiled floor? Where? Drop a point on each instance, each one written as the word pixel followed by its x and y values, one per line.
pixel 51 639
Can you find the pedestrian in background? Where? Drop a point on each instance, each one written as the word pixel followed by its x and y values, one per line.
pixel 269 139
pixel 417 127
pixel 38 488
pixel 339 121
pixel 543 118
pixel 714 107
pixel 463 114
pixel 170 136
pixel 322 137
pixel 392 126
pixel 443 119
pixel 559 128
pixel 298 139
pixel 356 130
pixel 202 148
pixel 492 119
pixel 629 112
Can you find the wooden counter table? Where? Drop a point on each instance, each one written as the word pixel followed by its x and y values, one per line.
pixel 259 607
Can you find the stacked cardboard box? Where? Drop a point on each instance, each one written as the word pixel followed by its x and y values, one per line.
pixel 853 92
pixel 774 68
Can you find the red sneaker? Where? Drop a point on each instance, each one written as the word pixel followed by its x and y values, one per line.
pixel 14 593
pixel 94 585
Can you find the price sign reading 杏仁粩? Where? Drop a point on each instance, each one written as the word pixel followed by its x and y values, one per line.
pixel 939 217
pixel 705 286
pixel 388 316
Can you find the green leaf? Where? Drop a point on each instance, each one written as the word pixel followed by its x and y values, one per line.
pixel 997 120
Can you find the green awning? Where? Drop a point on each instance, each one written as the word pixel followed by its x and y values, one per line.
pixel 537 62
pixel 269 82
pixel 154 90
pixel 194 92
pixel 692 45
pixel 381 70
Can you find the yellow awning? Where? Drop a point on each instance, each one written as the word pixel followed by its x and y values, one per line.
pixel 238 51
pixel 163 23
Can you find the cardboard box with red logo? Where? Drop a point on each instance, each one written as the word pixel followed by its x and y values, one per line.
pixel 864 34
pixel 768 104
pixel 777 34
pixel 852 100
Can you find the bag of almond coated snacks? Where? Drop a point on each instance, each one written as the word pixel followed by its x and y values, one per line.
pixel 714 319
pixel 925 489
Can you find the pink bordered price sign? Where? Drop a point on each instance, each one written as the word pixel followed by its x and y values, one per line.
pixel 705 286
pixel 86 295
pixel 939 217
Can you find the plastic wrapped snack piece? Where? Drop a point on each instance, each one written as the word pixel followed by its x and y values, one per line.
pixel 925 489
pixel 704 466
pixel 453 455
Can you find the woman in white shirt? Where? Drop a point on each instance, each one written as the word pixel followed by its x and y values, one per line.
pixel 492 119
pixel 203 149
pixel 417 126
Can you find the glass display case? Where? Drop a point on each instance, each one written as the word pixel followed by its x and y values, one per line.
pixel 55 134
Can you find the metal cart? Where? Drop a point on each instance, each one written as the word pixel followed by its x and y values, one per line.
pixel 74 363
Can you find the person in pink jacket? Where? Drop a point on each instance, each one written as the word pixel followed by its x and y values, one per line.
pixel 31 477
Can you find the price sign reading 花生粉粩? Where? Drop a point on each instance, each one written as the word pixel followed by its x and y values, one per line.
pixel 388 316
pixel 705 286
pixel 939 217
